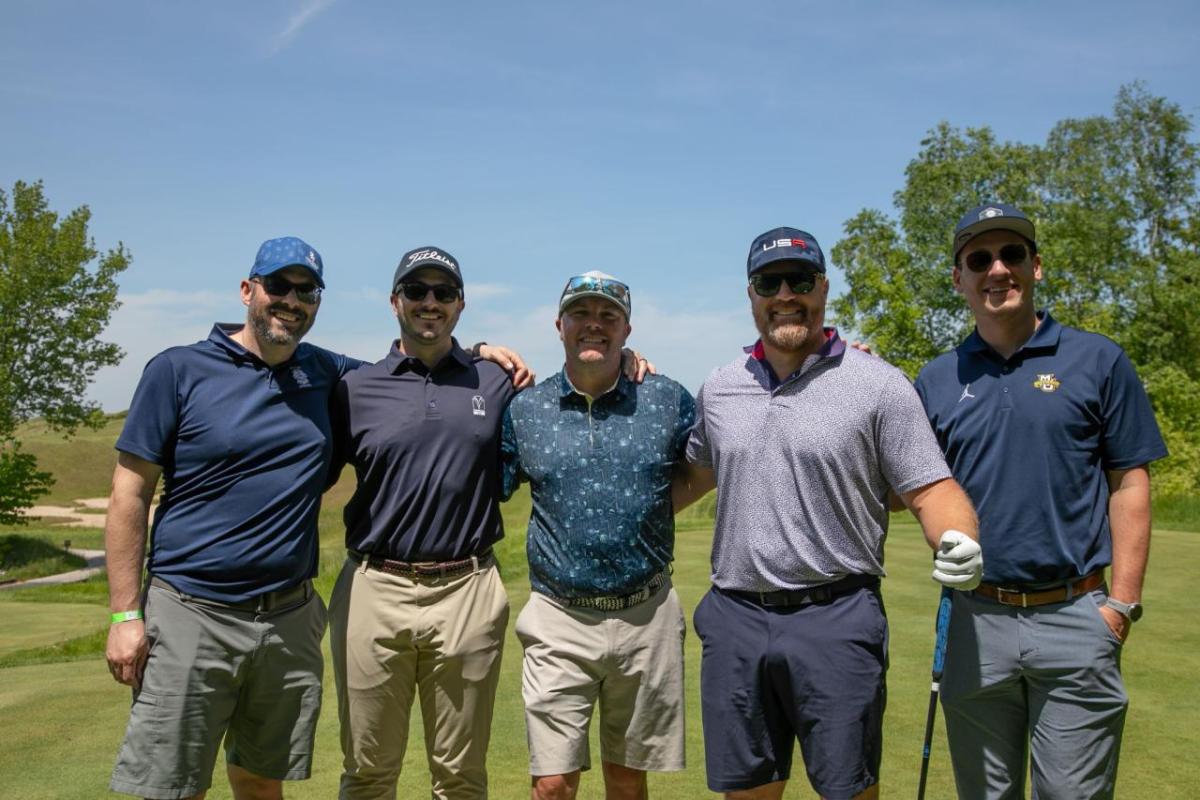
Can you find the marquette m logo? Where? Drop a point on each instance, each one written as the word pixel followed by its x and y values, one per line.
pixel 1047 382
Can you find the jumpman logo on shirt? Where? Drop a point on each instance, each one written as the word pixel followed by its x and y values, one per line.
pixel 966 393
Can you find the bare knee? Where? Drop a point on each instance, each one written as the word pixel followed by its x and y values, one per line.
pixel 768 791
pixel 555 787
pixel 248 786
pixel 624 783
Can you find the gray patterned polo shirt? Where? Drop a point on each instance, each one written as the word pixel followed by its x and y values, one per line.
pixel 803 469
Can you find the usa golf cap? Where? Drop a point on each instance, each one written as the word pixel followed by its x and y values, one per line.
pixel 596 284
pixel 422 257
pixel 991 217
pixel 784 244
pixel 284 252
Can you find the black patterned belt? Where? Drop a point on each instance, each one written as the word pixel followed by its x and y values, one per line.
pixel 265 603
pixel 617 602
pixel 805 597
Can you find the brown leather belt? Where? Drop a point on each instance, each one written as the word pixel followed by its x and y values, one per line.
pixel 1055 594
pixel 424 569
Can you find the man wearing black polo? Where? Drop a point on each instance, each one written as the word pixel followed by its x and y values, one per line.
pixel 419 607
pixel 1049 431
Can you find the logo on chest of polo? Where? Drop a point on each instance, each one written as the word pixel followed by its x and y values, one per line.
pixel 478 406
pixel 300 377
pixel 1047 382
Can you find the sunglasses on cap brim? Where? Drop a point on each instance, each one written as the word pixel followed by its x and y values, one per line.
pixel 609 287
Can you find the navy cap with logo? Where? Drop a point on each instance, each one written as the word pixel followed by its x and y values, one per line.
pixel 422 257
pixel 784 244
pixel 284 252
pixel 991 217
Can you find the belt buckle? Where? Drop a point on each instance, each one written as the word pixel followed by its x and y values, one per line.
pixel 1002 600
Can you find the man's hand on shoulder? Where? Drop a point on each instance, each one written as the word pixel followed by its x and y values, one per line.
pixel 635 365
pixel 508 360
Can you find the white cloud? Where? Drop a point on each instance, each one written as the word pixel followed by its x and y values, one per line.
pixel 307 12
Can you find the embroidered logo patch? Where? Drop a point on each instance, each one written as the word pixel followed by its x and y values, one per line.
pixel 477 406
pixel 300 377
pixel 1047 382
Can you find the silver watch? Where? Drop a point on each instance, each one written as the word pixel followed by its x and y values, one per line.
pixel 1130 611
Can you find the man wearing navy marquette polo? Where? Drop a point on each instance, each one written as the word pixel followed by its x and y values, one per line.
pixel 230 644
pixel 419 608
pixel 603 623
pixel 805 440
pixel 1050 432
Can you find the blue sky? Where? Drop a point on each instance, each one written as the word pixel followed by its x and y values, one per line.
pixel 531 140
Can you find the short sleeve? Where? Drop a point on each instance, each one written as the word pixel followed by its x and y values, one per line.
pixel 152 425
pixel 698 451
pixel 1130 436
pixel 909 454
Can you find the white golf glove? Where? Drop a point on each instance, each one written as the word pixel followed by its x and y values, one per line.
pixel 958 562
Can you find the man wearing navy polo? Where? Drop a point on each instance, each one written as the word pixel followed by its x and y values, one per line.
pixel 603 624
pixel 805 439
pixel 419 608
pixel 1050 433
pixel 230 643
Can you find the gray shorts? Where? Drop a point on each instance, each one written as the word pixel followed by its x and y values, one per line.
pixel 212 673
pixel 629 661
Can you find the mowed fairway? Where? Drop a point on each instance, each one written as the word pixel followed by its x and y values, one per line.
pixel 63 721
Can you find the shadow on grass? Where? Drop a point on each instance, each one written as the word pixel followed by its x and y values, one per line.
pixel 25 557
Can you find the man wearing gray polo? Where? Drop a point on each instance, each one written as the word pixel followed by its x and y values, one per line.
pixel 805 438
pixel 603 624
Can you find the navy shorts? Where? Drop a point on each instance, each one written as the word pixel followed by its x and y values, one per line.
pixel 770 675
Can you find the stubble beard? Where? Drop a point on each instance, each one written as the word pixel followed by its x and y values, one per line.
pixel 260 320
pixel 785 336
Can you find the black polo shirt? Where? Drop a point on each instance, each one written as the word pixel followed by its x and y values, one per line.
pixel 425 445
pixel 1030 439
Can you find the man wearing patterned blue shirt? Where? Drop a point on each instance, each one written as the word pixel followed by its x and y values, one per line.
pixel 603 622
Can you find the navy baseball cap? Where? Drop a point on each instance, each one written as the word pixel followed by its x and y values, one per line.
pixel 784 244
pixel 430 256
pixel 288 251
pixel 990 217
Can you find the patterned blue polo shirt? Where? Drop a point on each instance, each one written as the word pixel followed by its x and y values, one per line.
pixel 600 474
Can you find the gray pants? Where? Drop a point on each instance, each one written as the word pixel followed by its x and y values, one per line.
pixel 1049 676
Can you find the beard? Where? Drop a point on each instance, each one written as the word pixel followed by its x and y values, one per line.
pixel 788 336
pixel 260 321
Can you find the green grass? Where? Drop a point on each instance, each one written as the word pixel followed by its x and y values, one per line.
pixel 1181 513
pixel 24 557
pixel 84 538
pixel 71 715
pixel 82 465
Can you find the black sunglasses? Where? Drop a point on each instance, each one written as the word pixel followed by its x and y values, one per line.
pixel 798 282
pixel 278 286
pixel 1011 254
pixel 442 292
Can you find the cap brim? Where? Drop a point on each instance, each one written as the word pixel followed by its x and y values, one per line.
pixel 564 303
pixel 1022 227
pixel 411 268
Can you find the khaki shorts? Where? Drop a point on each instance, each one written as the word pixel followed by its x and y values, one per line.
pixel 213 673
pixel 630 660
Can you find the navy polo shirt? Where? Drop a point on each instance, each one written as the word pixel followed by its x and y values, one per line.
pixel 244 449
pixel 1030 438
pixel 425 445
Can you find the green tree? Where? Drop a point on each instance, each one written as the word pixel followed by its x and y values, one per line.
pixel 57 294
pixel 1116 204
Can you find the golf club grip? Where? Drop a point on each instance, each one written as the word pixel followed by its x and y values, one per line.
pixel 943 632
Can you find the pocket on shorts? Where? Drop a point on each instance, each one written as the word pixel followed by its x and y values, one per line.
pixel 143 736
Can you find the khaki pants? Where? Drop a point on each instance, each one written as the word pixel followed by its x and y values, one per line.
pixel 394 638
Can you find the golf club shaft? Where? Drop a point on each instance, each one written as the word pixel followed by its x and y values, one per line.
pixel 939 659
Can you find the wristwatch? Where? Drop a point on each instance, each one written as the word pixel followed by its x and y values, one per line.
pixel 1130 611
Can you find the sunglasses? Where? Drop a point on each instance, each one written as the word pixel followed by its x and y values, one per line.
pixel 609 287
pixel 1011 254
pixel 798 282
pixel 278 286
pixel 414 291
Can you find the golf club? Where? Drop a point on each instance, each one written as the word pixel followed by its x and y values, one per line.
pixel 939 660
